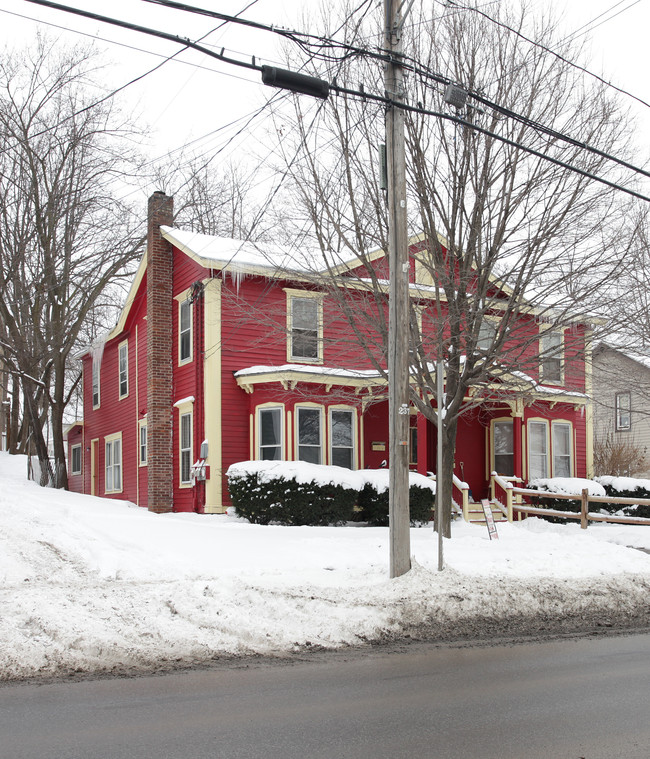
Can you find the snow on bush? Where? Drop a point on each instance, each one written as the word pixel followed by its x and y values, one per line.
pixel 623 484
pixel 300 471
pixel 378 479
pixel 567 486
pixel 298 493
pixel 319 474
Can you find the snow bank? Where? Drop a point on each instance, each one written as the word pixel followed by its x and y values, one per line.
pixel 91 584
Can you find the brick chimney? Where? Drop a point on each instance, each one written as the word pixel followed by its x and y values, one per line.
pixel 160 467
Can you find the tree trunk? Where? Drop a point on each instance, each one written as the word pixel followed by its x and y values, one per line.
pixel 444 479
pixel 60 469
pixel 36 430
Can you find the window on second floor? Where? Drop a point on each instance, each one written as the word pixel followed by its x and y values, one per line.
pixel 123 362
pixel 486 334
pixel 305 320
pixel 184 331
pixel 623 411
pixel 551 357
pixel 95 378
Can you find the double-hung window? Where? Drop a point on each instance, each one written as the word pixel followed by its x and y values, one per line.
pixel 342 438
pixel 184 331
pixel 96 363
pixel 486 334
pixel 269 421
pixel 123 364
pixel 142 442
pixel 504 450
pixel 623 411
pixel 551 357
pixel 75 459
pixel 305 315
pixel 113 463
pixel 562 447
pixel 185 439
pixel 537 450
pixel 309 429
pixel 550 449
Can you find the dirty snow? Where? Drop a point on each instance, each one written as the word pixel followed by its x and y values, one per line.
pixel 97 585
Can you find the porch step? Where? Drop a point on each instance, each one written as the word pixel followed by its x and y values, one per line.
pixel 476 516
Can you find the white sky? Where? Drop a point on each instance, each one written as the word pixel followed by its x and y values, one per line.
pixel 181 102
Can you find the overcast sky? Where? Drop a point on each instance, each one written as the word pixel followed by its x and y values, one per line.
pixel 197 98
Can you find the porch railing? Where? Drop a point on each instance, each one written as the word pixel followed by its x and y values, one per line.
pixel 459 488
pixel 502 487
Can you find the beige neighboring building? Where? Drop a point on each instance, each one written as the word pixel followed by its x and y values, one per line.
pixel 621 401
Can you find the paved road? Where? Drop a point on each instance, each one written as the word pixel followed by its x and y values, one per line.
pixel 562 699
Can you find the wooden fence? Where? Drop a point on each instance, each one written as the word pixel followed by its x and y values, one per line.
pixel 514 503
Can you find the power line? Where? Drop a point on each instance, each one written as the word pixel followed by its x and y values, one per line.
pixel 454 3
pixel 574 35
pixel 377 98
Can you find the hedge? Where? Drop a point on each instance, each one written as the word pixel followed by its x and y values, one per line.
pixel 297 493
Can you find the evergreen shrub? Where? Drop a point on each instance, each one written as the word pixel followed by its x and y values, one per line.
pixel 263 498
pixel 626 487
pixel 373 505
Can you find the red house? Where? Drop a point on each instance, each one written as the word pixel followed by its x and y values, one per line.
pixel 225 352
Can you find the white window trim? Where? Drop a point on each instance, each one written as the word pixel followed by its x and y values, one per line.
pixel 185 408
pixel 321 432
pixel 182 299
pixel 124 345
pixel 617 411
pixel 304 294
pixel 142 424
pixel 73 448
pixel 545 331
pixel 493 449
pixel 548 446
pixel 493 323
pixel 566 423
pixel 258 428
pixel 330 435
pixel 95 374
pixel 111 440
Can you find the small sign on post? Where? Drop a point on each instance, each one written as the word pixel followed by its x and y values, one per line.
pixel 489 519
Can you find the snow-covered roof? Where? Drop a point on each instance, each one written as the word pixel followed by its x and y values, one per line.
pixel 633 355
pixel 226 253
pixel 547 389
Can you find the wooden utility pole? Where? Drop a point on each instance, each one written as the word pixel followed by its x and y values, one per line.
pixel 398 323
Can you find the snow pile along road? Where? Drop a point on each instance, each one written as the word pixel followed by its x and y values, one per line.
pixel 94 585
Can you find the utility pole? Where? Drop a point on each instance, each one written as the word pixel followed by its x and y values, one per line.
pixel 398 322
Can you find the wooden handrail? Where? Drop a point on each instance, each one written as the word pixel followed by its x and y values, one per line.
pixel 584 515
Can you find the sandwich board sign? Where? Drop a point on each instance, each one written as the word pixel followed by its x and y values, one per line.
pixel 489 519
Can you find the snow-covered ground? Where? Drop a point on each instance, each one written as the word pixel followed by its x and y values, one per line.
pixel 91 585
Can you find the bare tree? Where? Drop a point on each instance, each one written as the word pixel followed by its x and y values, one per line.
pixel 219 200
pixel 508 239
pixel 64 233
